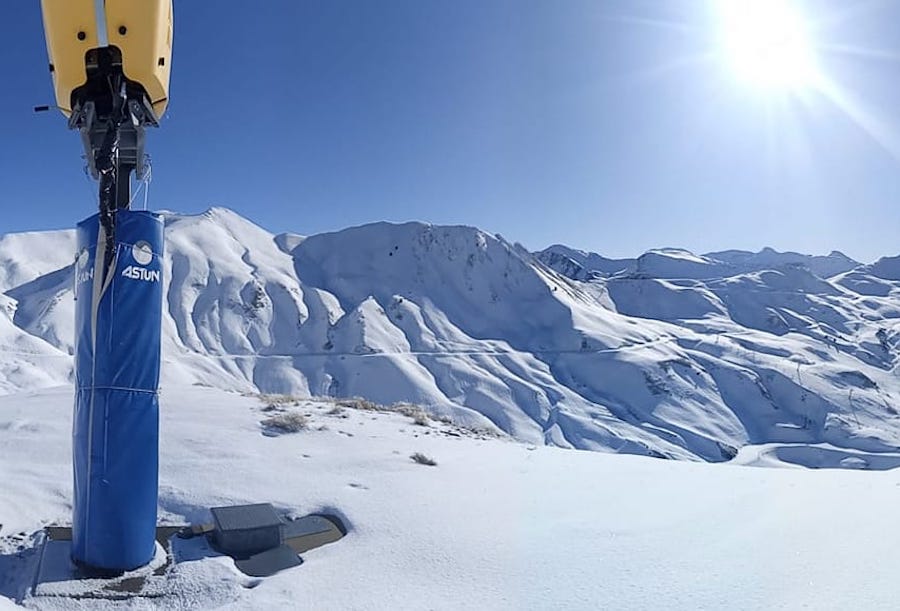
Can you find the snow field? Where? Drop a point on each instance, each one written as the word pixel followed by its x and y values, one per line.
pixel 495 525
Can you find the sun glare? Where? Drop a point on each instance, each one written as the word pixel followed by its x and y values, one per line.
pixel 767 43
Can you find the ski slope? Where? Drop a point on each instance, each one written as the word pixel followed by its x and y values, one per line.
pixel 671 354
pixel 496 524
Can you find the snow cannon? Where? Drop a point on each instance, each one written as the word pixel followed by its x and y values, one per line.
pixel 110 61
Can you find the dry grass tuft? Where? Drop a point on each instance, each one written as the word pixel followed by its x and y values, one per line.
pixel 357 403
pixel 421 459
pixel 418 415
pixel 280 399
pixel 288 422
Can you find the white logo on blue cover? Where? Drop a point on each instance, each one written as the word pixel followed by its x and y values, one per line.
pixel 142 253
pixel 82 274
pixel 141 273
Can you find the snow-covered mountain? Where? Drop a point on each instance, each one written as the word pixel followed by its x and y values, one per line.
pixel 679 263
pixel 671 354
pixel 581 265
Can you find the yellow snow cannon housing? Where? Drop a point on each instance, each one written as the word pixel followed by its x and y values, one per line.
pixel 110 61
pixel 138 31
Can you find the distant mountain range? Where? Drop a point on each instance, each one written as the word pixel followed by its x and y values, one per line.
pixel 679 263
pixel 671 354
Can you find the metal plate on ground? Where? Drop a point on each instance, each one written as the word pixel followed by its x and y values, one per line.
pixel 269 562
pixel 58 576
pixel 310 532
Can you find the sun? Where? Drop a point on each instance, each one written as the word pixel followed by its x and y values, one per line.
pixel 767 43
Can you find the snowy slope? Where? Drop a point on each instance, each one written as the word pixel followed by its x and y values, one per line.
pixel 675 354
pixel 887 268
pixel 679 263
pixel 824 266
pixel 495 525
pixel 581 265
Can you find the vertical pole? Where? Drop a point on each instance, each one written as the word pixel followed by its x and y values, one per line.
pixel 100 17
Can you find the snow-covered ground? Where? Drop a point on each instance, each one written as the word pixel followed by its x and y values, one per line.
pixel 497 524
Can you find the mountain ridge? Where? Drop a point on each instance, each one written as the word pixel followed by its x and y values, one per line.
pixel 676 355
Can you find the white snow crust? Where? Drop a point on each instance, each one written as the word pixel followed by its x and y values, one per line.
pixel 495 525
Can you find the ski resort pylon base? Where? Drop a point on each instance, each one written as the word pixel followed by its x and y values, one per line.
pixel 115 442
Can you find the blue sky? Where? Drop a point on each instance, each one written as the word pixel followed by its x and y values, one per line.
pixel 608 125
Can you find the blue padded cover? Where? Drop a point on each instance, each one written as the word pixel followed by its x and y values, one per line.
pixel 116 424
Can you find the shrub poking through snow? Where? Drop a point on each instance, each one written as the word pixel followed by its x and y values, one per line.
pixel 415 412
pixel 357 403
pixel 288 422
pixel 420 458
pixel 273 401
pixel 280 420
